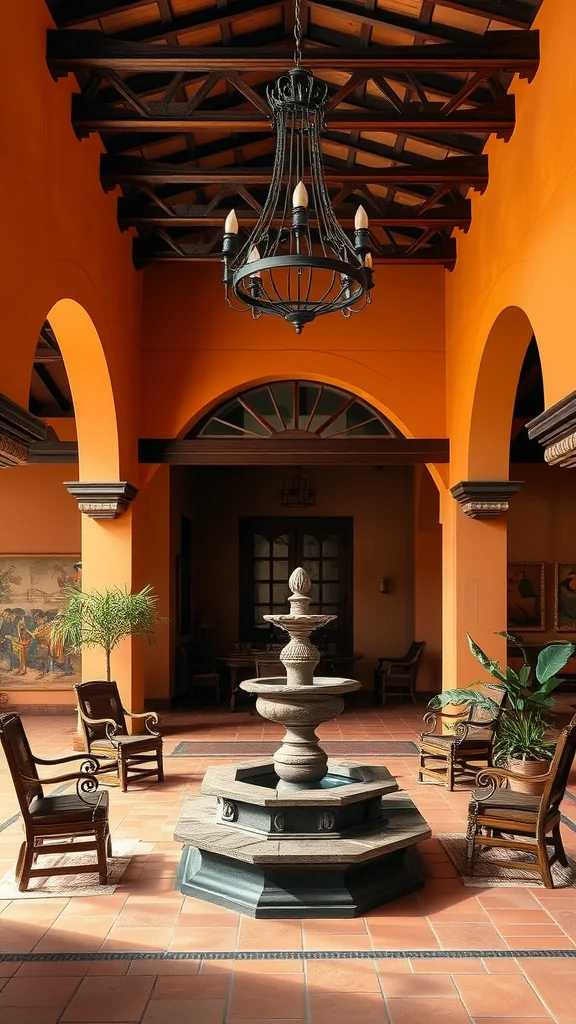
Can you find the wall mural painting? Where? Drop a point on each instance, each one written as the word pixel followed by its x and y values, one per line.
pixel 526 606
pixel 31 590
pixel 565 597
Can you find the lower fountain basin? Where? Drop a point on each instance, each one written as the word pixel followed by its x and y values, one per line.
pixel 334 852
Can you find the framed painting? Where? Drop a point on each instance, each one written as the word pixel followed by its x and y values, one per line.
pixel 31 589
pixel 565 597
pixel 526 604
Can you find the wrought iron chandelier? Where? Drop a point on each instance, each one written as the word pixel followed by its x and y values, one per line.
pixel 298 263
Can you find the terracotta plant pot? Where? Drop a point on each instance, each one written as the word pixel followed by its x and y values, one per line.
pixel 529 769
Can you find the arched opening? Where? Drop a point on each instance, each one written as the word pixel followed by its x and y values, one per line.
pixel 495 394
pixel 91 392
pixel 287 472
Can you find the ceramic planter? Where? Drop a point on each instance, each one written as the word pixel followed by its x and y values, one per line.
pixel 529 769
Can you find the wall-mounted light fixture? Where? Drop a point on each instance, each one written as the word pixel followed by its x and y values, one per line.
pixel 385 585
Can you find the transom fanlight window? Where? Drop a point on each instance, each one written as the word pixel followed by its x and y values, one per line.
pixel 294 407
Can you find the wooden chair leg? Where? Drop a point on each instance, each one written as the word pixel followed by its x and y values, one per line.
pixel 160 763
pixel 122 773
pixel 109 844
pixel 421 765
pixel 101 848
pixel 450 771
pixel 24 866
pixel 559 846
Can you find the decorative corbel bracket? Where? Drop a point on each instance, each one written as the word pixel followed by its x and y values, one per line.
pixel 555 429
pixel 19 430
pixel 101 500
pixel 485 499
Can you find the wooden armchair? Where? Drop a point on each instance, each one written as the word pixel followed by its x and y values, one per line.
pixel 459 753
pixel 396 676
pixel 530 824
pixel 54 817
pixel 103 721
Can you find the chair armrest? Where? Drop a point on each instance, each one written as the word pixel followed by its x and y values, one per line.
pixel 86 779
pixel 150 719
pixel 461 727
pixel 112 726
pixel 496 778
pixel 63 760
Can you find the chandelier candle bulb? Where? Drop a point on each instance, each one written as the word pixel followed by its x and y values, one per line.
pixel 361 218
pixel 231 224
pixel 300 196
pixel 229 243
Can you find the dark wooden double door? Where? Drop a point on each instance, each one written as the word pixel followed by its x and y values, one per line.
pixel 270 549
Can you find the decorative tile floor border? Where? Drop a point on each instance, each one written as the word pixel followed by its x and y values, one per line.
pixel 265 748
pixel 297 954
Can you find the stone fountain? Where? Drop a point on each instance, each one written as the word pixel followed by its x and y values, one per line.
pixel 302 836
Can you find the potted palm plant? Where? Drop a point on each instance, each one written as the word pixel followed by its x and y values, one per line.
pixel 521 740
pixel 104 618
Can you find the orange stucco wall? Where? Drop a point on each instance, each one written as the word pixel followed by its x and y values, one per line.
pixel 196 349
pixel 518 253
pixel 60 241
pixel 148 353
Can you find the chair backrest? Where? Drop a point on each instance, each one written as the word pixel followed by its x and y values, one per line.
pixel 478 716
pixel 409 665
pixel 560 768
pixel 99 699
pixel 20 760
pixel 268 665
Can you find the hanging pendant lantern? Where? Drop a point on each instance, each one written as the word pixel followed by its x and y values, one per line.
pixel 298 263
pixel 298 492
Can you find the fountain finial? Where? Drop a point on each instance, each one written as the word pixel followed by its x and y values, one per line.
pixel 299 584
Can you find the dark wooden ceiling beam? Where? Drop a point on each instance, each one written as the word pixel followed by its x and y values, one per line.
pixel 133 171
pixel 176 117
pixel 76 50
pixel 51 386
pixel 449 215
pixel 145 251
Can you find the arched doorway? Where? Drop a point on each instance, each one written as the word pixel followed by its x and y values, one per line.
pixel 299 471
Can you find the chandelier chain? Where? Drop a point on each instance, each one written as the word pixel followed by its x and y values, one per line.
pixel 297 34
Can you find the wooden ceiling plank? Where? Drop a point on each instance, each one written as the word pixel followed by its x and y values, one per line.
pixel 507 12
pixel 75 50
pixel 205 19
pixel 382 18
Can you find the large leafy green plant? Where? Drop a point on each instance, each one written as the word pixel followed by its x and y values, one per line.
pixel 525 696
pixel 104 618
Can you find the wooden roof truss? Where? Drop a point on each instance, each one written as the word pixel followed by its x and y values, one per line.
pixel 177 91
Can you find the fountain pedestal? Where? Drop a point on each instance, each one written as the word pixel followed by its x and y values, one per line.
pixel 302 837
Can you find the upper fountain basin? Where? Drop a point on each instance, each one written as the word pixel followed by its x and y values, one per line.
pixel 314 621
pixel 277 686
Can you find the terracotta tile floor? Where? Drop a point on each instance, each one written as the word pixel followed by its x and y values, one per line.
pixel 146 915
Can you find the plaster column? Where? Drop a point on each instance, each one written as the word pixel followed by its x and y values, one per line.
pixel 474 581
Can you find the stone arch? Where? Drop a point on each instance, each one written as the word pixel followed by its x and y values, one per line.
pixel 494 394
pixel 91 387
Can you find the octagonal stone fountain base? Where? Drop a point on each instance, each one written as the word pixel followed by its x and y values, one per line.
pixel 334 852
